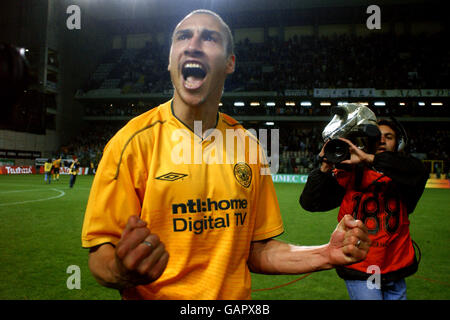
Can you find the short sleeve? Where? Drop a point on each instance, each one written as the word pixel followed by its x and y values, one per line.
pixel 115 194
pixel 268 222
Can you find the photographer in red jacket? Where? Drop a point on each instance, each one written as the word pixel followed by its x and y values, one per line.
pixel 380 189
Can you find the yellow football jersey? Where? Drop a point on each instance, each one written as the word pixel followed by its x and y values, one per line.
pixel 206 211
pixel 56 163
pixel 47 167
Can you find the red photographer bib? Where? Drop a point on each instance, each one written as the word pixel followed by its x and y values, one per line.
pixel 377 203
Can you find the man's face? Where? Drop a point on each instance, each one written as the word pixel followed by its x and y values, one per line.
pixel 388 139
pixel 198 62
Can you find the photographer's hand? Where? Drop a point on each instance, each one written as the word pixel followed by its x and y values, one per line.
pixel 357 155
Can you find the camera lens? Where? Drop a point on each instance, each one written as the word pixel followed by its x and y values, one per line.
pixel 336 151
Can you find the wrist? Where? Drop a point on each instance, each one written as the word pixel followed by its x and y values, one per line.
pixel 369 158
pixel 107 268
pixel 326 254
pixel 113 277
pixel 320 258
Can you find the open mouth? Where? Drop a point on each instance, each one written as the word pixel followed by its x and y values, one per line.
pixel 193 74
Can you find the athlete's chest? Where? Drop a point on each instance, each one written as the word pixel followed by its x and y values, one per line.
pixel 197 199
pixel 183 170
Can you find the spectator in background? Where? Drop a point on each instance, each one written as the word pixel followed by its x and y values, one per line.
pixel 73 170
pixel 48 171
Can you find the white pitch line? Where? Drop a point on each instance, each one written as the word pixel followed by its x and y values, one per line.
pixel 61 194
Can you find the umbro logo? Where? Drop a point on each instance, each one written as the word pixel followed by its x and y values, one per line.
pixel 171 176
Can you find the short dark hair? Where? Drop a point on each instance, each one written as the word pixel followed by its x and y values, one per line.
pixel 394 127
pixel 229 36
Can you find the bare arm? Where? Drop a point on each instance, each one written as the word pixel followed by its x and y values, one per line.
pixel 132 262
pixel 276 257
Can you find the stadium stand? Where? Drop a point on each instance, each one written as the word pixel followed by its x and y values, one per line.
pixel 298 146
pixel 381 61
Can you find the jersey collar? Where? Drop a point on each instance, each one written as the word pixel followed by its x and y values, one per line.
pixel 186 126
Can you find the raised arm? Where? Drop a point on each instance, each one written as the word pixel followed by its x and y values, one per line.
pixel 322 192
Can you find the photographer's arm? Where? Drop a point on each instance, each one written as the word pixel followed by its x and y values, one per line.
pixel 321 192
pixel 407 172
pixel 402 169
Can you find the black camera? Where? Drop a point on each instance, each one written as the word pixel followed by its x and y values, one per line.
pixel 354 122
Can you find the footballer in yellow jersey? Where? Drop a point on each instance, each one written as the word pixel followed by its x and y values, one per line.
pixel 48 171
pixel 56 167
pixel 206 214
pixel 175 214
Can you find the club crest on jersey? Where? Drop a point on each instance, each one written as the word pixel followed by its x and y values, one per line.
pixel 243 174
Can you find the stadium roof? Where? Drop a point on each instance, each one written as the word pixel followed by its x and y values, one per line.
pixel 136 9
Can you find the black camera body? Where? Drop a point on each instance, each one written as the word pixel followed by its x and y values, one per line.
pixel 354 122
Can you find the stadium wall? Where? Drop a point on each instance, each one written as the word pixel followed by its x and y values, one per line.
pixel 22 141
pixel 31 25
pixel 28 169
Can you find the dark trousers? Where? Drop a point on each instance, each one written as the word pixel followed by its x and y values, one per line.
pixel 73 177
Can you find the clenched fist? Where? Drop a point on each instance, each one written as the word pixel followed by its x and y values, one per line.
pixel 140 256
pixel 349 243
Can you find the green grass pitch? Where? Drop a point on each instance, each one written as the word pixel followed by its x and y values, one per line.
pixel 40 238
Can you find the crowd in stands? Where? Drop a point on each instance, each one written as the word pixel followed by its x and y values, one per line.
pixel 433 141
pixel 88 145
pixel 132 71
pixel 380 61
pixel 115 109
pixel 298 146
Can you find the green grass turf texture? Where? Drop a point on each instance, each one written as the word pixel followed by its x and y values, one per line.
pixel 39 240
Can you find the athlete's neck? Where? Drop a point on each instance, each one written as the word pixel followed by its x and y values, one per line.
pixel 206 113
